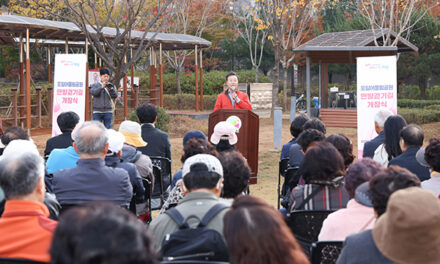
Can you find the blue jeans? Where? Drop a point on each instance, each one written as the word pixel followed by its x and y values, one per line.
pixel 106 117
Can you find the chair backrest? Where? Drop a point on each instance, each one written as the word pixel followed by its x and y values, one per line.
pixel 165 169
pixel 282 166
pixel 19 261
pixel 306 225
pixel 326 252
pixel 291 180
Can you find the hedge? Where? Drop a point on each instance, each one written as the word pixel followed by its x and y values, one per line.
pixel 187 102
pixel 420 115
pixel 410 103
pixel 213 81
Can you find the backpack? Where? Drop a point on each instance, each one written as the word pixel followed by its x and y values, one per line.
pixel 199 243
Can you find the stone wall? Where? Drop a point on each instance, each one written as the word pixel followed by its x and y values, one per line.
pixel 261 96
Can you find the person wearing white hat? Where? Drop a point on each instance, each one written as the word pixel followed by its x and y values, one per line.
pixel 224 137
pixel 202 183
pixel 113 159
pixel 133 139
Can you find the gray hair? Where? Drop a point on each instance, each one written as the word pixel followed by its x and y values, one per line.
pixel 381 116
pixel 90 138
pixel 20 173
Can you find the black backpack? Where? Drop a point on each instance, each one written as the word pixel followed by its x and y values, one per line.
pixel 200 243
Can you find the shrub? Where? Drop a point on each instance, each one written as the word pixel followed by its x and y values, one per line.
pixel 187 102
pixel 410 103
pixel 213 81
pixel 163 119
pixel 420 116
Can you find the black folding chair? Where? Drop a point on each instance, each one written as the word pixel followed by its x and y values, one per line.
pixel 19 261
pixel 165 167
pixel 282 167
pixel 306 225
pixel 326 252
pixel 148 191
pixel 291 178
pixel 158 192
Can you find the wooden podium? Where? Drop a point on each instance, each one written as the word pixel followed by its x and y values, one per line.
pixel 247 142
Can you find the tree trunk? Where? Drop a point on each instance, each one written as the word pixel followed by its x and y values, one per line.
pixel 422 87
pixel 179 87
pixel 285 89
pixel 276 76
pixel 256 74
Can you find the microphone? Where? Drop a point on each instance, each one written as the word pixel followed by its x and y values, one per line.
pixel 233 89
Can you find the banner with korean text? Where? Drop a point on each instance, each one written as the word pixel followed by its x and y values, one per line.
pixel 69 87
pixel 376 89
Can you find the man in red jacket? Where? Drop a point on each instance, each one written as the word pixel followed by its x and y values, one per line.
pixel 232 98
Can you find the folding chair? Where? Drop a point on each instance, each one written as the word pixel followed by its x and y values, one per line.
pixel 146 216
pixel 165 167
pixel 306 225
pixel 291 178
pixel 326 252
pixel 158 193
pixel 282 167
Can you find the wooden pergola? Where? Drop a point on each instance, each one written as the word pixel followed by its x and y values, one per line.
pixel 345 47
pixel 19 30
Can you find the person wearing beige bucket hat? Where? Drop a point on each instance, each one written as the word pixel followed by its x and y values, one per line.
pixel 408 232
pixel 133 139
pixel 361 248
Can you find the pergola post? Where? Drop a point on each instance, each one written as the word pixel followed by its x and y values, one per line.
pixel 28 82
pixel 49 67
pixel 50 88
pixel 86 90
pixel 196 80
pixel 319 84
pixel 21 91
pixel 324 100
pixel 124 86
pixel 133 91
pixel 201 81
pixel 67 45
pixel 161 75
pixel 308 84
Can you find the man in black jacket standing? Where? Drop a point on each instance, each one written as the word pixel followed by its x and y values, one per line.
pixel 103 92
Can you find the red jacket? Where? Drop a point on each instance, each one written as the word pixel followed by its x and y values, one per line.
pixel 224 102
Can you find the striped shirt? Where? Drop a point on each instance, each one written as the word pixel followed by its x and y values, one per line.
pixel 329 197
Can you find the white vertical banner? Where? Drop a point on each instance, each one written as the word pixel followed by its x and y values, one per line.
pixel 376 89
pixel 69 87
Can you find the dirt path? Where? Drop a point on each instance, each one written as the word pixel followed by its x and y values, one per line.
pixel 266 187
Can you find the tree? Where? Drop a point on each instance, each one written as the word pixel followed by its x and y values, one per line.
pixel 287 21
pixel 194 17
pixel 254 31
pixel 397 15
pixel 93 16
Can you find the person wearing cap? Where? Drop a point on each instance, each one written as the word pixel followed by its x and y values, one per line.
pixel 232 98
pixel 113 159
pixel 224 137
pixel 362 247
pixel 26 231
pixel 379 121
pixel 91 180
pixel 66 122
pixel 359 214
pixel 202 183
pixel 197 134
pixel 431 159
pixel 103 94
pixel 133 139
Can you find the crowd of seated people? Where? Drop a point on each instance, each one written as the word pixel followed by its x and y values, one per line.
pixel 85 204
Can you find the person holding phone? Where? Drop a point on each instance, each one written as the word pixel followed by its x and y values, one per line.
pixel 232 98
pixel 103 94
